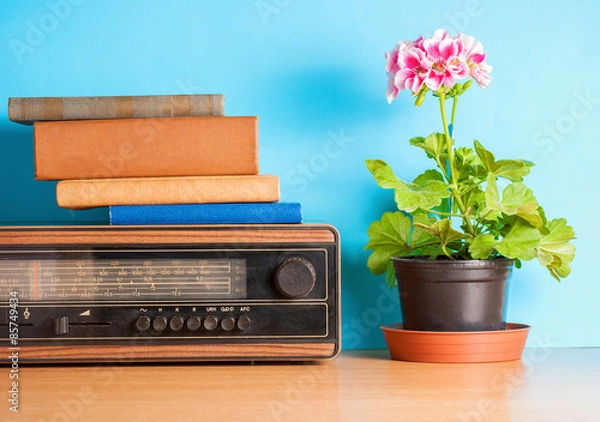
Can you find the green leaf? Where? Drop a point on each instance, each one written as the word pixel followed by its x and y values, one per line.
pixel 476 202
pixel 555 252
pixel 434 175
pixel 492 196
pixel 390 276
pixel 419 236
pixel 465 155
pixel 388 238
pixel 482 246
pixel 434 145
pixel 517 199
pixel 427 176
pixel 384 174
pixel 513 170
pixel 543 229
pixel 521 242
pixel 469 166
pixel 424 194
pixel 442 229
pixel 486 157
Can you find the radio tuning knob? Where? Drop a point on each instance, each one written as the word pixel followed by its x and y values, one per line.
pixel 295 278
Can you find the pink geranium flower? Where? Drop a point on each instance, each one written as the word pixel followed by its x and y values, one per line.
pixel 402 67
pixel 448 64
pixel 478 68
pixel 413 69
pixel 437 62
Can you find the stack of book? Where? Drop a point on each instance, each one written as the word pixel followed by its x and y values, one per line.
pixel 171 159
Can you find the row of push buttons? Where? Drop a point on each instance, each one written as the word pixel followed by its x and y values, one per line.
pixel 192 323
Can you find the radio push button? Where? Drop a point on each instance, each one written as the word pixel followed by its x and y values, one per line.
pixel 142 323
pixel 244 322
pixel 193 323
pixel 228 323
pixel 295 278
pixel 176 323
pixel 159 323
pixel 211 322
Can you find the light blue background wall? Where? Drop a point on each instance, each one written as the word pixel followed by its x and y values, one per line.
pixel 313 71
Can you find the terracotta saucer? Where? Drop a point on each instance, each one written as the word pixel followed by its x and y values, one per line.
pixel 468 346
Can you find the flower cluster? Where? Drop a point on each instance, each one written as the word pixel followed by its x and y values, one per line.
pixel 435 63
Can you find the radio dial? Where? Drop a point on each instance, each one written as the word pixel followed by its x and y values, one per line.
pixel 295 278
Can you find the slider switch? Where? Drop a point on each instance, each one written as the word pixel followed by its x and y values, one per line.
pixel 61 325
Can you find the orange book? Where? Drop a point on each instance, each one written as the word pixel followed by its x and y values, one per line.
pixel 81 194
pixel 148 147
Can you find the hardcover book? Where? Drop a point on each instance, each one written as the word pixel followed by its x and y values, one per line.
pixel 238 213
pixel 31 109
pixel 179 146
pixel 81 194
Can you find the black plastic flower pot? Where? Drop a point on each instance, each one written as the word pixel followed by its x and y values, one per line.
pixel 453 295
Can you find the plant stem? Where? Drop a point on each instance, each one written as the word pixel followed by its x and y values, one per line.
pixel 445 214
pixel 444 172
pixel 448 254
pixel 470 188
pixel 422 245
pixel 451 167
pixel 454 103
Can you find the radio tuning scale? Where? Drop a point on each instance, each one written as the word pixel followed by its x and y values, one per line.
pixel 102 279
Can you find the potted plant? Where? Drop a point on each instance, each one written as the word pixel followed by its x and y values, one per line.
pixel 462 225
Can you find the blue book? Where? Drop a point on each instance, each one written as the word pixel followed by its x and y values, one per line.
pixel 241 213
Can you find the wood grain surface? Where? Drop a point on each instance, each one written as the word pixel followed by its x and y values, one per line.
pixel 94 235
pixel 125 353
pixel 546 385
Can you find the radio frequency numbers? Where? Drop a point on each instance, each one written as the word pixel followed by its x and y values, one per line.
pixel 104 279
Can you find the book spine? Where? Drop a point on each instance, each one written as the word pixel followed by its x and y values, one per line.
pixel 32 109
pixel 239 213
pixel 180 146
pixel 81 194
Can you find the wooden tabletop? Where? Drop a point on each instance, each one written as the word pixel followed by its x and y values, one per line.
pixel 545 385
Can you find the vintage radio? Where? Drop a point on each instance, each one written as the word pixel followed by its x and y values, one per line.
pixel 170 293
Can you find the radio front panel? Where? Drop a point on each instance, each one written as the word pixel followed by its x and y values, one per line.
pixel 220 292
